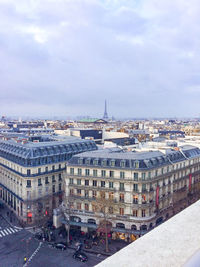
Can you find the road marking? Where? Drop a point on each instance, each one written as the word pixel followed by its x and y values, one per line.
pixel 12 230
pixel 9 231
pixel 6 231
pixel 3 233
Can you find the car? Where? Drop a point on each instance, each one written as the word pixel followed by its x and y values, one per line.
pixel 80 256
pixel 60 246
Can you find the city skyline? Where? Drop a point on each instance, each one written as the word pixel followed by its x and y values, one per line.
pixel 63 58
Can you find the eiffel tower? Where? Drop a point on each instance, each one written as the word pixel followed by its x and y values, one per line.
pixel 105 116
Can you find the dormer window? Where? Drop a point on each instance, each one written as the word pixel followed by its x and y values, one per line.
pixel 95 162
pixel 87 161
pixel 80 161
pixel 104 162
pixel 123 163
pixel 136 164
pixel 112 163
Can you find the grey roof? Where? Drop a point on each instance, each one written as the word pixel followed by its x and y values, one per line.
pixel 134 160
pixel 14 151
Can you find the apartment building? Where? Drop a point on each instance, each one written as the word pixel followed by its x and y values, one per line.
pixel 31 174
pixel 145 188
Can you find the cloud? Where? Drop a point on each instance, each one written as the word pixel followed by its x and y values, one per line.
pixel 69 55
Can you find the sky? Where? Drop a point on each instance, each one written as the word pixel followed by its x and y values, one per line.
pixel 65 57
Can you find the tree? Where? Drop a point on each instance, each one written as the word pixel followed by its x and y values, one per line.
pixel 67 210
pixel 105 208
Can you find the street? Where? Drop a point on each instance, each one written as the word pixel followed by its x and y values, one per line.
pixel 16 244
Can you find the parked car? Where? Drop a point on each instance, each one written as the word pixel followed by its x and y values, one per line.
pixel 61 246
pixel 80 256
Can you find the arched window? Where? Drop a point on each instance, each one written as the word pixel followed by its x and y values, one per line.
pixel 143 227
pixel 120 225
pixel 75 219
pixel 133 227
pixel 91 221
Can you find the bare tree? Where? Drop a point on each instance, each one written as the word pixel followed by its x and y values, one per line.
pixel 104 208
pixel 67 208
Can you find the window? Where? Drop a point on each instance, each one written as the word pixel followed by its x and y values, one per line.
pixel 72 171
pixel 28 183
pixel 86 193
pixel 79 171
pixel 46 180
pixel 71 181
pixel 94 183
pixel 143 213
pixel 79 192
pixel 53 179
pixel 103 183
pixel 112 163
pixel 136 164
pixel 143 199
pixel 135 176
pixel 59 177
pixel 53 188
pixel 104 162
pixel 80 161
pixel 121 186
pixel 59 166
pixel 94 194
pixel 143 176
pixel 122 175
pixel 111 195
pixel 53 168
pixel 122 163
pixel 95 173
pixel 78 181
pixel 110 184
pixel 39 170
pixel 135 199
pixel 121 197
pixel 111 174
pixel 156 173
pixel 144 189
pixel 86 207
pixel 87 172
pixel 135 187
pixel 46 169
pixel 95 162
pixel 103 173
pixel 149 175
pixel 28 172
pixel 71 192
pixel 86 182
pixel 78 206
pixel 135 213
pixel 60 187
pixel 88 161
pixel 39 182
pixel 121 211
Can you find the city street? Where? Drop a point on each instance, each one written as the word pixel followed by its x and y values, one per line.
pixel 15 244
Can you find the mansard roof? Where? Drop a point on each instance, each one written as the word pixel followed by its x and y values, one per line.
pixel 134 160
pixel 33 150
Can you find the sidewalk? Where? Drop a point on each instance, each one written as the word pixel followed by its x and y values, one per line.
pixel 10 217
pixel 114 245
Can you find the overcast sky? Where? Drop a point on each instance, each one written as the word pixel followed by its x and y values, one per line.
pixel 65 57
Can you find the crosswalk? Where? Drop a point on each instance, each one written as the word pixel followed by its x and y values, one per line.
pixel 8 231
